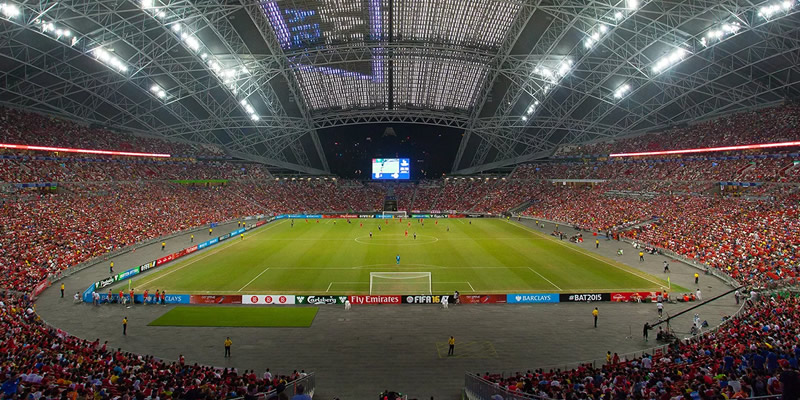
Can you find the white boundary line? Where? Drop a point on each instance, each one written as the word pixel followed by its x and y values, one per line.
pixel 470 286
pixel 660 284
pixel 204 256
pixel 542 276
pixel 251 280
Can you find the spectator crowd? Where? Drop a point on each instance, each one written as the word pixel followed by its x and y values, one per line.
pixel 100 204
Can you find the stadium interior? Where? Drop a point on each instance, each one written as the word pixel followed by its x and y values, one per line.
pixel 641 135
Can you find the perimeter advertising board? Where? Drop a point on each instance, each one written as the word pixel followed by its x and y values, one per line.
pixel 321 299
pixel 375 300
pixel 532 298
pixel 271 299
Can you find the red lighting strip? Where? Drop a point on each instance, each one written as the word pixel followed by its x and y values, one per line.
pixel 82 151
pixel 708 149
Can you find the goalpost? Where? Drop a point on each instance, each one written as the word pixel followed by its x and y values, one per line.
pixel 400 283
pixel 397 214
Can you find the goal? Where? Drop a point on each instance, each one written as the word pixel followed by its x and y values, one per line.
pixel 396 214
pixel 400 283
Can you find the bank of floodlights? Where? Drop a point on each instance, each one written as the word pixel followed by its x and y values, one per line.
pixel 720 32
pixel 622 91
pixel 775 8
pixel 669 59
pixel 158 91
pixel 250 110
pixel 58 32
pixel 108 58
pixel 9 10
pixel 598 32
pixel 152 7
pixel 530 110
pixel 555 74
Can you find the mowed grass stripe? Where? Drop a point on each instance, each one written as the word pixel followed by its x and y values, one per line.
pixel 243 316
pixel 480 253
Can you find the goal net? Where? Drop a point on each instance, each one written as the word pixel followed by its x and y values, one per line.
pixel 396 214
pixel 399 283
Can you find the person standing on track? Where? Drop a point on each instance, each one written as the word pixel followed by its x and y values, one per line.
pixel 641 256
pixel 62 290
pixel 595 313
pixel 452 346
pixel 125 326
pixel 696 278
pixel 228 344
pixel 144 298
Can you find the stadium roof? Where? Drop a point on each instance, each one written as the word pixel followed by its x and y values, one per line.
pixel 519 77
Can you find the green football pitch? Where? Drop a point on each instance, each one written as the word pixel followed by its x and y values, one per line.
pixel 486 256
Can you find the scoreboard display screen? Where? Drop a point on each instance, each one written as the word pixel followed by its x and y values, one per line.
pixel 391 168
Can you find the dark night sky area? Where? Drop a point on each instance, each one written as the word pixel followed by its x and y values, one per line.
pixel 350 149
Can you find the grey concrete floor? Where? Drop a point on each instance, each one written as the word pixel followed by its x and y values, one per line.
pixel 360 352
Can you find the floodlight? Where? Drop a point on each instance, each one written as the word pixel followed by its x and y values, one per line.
pixel 669 60
pixel 622 91
pixel 10 10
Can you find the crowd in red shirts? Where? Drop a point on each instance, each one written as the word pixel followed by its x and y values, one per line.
pixel 770 125
pixel 104 203
pixel 755 354
pixel 20 127
pixel 39 362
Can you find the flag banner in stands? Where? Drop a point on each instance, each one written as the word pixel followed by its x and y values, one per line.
pixel 321 299
pixel 375 300
pixel 215 299
pixel 585 297
pixel 482 298
pixel 426 299
pixel 41 287
pixel 532 298
pixel 277 299
pixel 634 296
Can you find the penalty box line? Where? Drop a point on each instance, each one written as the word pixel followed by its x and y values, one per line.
pixel 365 283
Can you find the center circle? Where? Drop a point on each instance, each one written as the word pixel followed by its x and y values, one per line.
pixel 396 240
